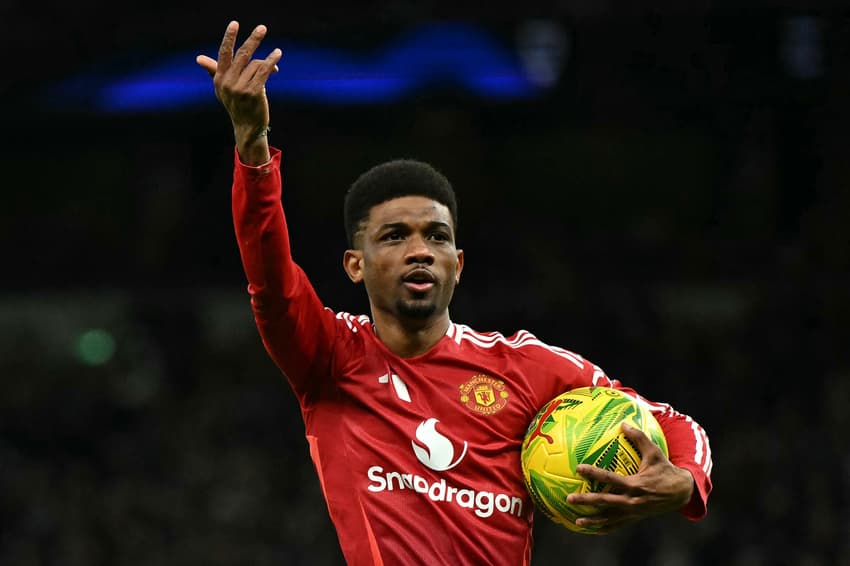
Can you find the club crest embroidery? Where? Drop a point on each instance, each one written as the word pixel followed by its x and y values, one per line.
pixel 484 394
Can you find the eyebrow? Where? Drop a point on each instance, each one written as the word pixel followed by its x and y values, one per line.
pixel 405 225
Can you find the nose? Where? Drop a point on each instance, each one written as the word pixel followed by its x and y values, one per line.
pixel 418 251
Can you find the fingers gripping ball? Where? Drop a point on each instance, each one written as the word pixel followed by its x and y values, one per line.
pixel 582 426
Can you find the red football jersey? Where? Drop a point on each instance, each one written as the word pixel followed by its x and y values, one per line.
pixel 418 458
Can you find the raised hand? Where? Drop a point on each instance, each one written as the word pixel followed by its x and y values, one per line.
pixel 656 488
pixel 240 85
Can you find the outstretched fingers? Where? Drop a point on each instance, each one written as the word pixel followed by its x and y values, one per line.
pixel 247 49
pixel 262 68
pixel 245 69
pixel 225 50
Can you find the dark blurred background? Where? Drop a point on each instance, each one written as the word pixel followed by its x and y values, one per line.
pixel 672 202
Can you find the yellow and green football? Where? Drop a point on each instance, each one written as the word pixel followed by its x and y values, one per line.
pixel 582 426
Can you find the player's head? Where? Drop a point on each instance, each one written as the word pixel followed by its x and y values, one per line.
pixel 400 218
pixel 393 179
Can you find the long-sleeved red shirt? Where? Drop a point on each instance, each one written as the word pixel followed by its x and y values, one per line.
pixel 418 458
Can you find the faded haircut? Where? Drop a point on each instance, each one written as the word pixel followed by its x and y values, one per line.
pixel 394 179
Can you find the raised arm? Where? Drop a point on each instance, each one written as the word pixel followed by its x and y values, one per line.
pixel 295 327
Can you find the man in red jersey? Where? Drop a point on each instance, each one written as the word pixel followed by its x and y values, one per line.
pixel 415 422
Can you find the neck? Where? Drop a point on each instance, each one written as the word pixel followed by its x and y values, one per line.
pixel 410 338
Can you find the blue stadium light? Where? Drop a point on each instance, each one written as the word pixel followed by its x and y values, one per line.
pixel 447 55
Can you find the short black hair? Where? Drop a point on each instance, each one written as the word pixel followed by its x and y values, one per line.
pixel 393 179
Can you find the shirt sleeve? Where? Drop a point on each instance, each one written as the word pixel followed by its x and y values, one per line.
pixel 296 329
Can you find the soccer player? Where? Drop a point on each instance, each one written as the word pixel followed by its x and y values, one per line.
pixel 414 421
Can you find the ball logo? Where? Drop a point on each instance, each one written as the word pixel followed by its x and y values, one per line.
pixel 438 452
pixel 537 424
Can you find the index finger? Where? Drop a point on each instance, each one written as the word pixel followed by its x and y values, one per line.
pixel 600 475
pixel 225 50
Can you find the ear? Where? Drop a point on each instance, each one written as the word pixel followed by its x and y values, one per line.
pixel 459 266
pixel 352 263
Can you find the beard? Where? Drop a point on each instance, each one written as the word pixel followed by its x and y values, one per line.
pixel 416 310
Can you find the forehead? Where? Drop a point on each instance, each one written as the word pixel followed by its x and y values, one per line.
pixel 409 210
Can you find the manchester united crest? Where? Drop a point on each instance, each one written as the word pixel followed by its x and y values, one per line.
pixel 484 394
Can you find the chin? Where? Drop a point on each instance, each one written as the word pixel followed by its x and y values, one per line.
pixel 416 310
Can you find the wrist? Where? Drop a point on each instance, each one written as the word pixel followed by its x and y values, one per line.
pixel 688 486
pixel 252 144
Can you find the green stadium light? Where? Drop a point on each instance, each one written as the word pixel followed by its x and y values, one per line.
pixel 95 347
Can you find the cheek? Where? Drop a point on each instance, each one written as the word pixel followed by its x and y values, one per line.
pixel 376 272
pixel 451 263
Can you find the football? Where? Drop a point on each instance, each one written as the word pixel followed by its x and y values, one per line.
pixel 582 426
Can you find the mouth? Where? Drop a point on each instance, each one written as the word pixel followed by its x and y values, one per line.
pixel 419 280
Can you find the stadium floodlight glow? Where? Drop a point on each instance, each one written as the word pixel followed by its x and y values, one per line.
pixel 95 346
pixel 440 55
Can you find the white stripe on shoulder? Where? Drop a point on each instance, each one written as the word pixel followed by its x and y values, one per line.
pixel 521 339
pixel 353 322
pixel 702 450
pixel 454 331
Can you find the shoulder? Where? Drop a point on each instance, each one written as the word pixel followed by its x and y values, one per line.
pixel 522 343
pixel 354 336
pixel 353 323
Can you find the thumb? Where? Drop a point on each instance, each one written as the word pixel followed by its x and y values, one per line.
pixel 209 64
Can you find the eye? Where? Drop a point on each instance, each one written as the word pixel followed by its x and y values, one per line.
pixel 392 236
pixel 439 236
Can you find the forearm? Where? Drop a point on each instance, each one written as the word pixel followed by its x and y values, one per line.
pixel 260 224
pixel 290 317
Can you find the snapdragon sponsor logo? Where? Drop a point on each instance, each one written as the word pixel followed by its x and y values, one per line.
pixel 484 503
pixel 437 451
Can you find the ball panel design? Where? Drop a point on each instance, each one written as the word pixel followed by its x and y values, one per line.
pixel 582 426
